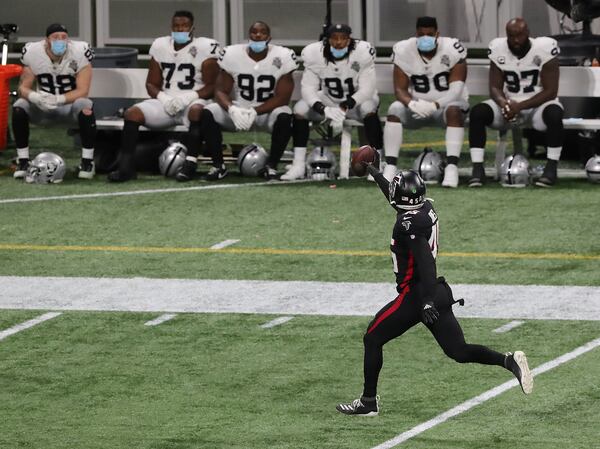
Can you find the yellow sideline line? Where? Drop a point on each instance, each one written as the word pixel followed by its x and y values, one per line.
pixel 287 252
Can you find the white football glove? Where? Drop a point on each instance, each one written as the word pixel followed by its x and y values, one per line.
pixel 335 114
pixel 240 117
pixel 172 105
pixel 43 100
pixel 422 108
pixel 189 97
pixel 251 116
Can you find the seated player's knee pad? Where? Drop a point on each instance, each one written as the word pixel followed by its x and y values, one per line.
pixel 552 115
pixel 481 114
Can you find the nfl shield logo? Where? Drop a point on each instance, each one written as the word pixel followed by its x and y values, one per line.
pixel 73 65
pixel 355 66
pixel 277 62
pixel 193 51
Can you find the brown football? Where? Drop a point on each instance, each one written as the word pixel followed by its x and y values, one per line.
pixel 366 154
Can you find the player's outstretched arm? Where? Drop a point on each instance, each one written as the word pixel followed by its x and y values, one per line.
pixel 383 183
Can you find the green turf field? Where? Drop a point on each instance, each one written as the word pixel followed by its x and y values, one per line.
pixel 104 380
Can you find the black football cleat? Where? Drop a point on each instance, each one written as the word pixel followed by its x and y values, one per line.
pixel 549 176
pixel 87 169
pixel 477 178
pixel 360 407
pixel 216 173
pixel 268 173
pixel 187 172
pixel 21 170
pixel 517 363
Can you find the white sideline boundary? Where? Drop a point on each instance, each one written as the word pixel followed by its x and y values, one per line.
pixel 508 326
pixel 160 319
pixel 224 243
pixel 27 324
pixel 277 322
pixel 477 400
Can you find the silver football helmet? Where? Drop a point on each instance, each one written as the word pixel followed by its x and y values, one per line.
pixel 171 159
pixel 252 159
pixel 321 164
pixel 514 171
pixel 46 168
pixel 430 166
pixel 592 169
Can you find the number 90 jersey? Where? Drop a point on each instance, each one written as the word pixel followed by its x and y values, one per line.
pixel 429 78
pixel 522 78
pixel 61 77
pixel 341 78
pixel 182 69
pixel 254 81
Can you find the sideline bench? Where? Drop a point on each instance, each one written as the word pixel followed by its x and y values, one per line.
pixel 131 84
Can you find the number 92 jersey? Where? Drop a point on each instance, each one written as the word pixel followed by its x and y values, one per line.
pixel 522 78
pixel 254 81
pixel 182 69
pixel 61 77
pixel 429 77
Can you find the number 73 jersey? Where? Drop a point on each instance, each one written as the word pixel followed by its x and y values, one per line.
pixel 182 69
pixel 522 78
pixel 429 78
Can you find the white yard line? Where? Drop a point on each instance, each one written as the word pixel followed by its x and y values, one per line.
pixel 508 326
pixel 467 405
pixel 224 244
pixel 148 191
pixel 160 319
pixel 276 322
pixel 27 324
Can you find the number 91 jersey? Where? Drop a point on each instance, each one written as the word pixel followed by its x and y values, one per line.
pixel 254 81
pixel 182 69
pixel 429 78
pixel 522 78
pixel 61 77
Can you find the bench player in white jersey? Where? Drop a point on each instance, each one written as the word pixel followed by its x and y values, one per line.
pixel 253 91
pixel 524 74
pixel 60 68
pixel 429 83
pixel 180 82
pixel 338 82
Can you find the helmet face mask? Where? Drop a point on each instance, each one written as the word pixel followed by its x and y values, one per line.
pixel 407 191
pixel 592 169
pixel 430 166
pixel 46 168
pixel 252 159
pixel 515 172
pixel 321 164
pixel 171 159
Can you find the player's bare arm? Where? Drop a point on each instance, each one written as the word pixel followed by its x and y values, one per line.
pixel 282 96
pixel 154 80
pixel 496 81
pixel 549 79
pixel 82 82
pixel 210 71
pixel 401 83
pixel 26 82
pixel 223 88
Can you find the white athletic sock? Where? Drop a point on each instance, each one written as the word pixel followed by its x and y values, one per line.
pixel 554 153
pixel 477 155
pixel 87 153
pixel 299 156
pixel 23 153
pixel 392 138
pixel 454 140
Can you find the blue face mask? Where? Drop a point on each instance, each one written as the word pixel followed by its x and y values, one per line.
pixel 337 54
pixel 257 46
pixel 58 48
pixel 180 37
pixel 426 43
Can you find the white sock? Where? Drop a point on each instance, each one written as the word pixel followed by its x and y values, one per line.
pixel 191 158
pixel 87 153
pixel 299 156
pixel 454 140
pixel 554 153
pixel 392 138
pixel 477 155
pixel 23 153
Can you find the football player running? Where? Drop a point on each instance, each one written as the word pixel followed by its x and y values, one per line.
pixel 253 91
pixel 61 72
pixel 422 296
pixel 338 82
pixel 429 84
pixel 524 75
pixel 180 82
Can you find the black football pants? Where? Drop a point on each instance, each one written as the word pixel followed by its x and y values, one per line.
pixel 398 316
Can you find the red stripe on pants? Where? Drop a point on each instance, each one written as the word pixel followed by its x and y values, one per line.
pixel 391 310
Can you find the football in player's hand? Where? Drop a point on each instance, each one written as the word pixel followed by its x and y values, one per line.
pixel 362 157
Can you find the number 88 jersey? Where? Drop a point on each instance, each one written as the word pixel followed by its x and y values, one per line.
pixel 522 78
pixel 429 78
pixel 182 69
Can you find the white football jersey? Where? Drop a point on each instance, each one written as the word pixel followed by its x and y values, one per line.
pixel 522 78
pixel 339 79
pixel 429 77
pixel 254 81
pixel 61 77
pixel 182 69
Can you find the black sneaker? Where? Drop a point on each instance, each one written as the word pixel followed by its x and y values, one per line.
pixel 187 172
pixel 21 170
pixel 360 407
pixel 87 169
pixel 477 178
pixel 268 173
pixel 216 173
pixel 119 176
pixel 549 176
pixel 517 363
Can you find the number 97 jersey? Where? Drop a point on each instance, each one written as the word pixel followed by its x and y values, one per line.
pixel 522 78
pixel 429 78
